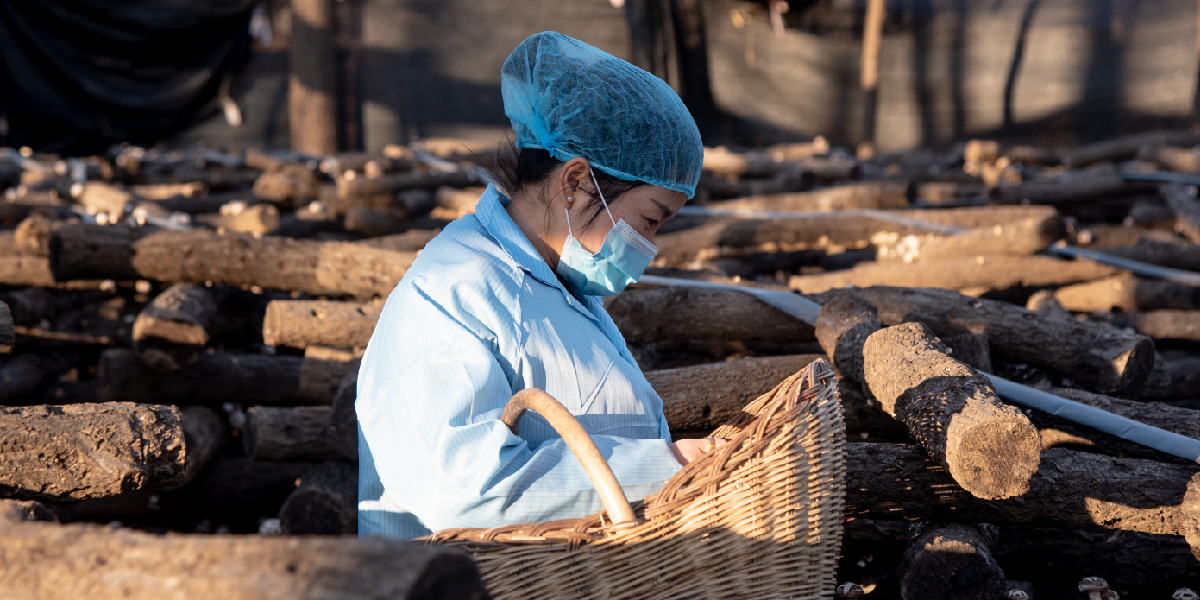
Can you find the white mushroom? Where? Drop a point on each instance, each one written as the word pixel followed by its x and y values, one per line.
pixel 1094 586
pixel 1185 594
pixel 849 590
pixel 1015 594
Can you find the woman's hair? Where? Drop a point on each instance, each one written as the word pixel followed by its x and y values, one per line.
pixel 517 169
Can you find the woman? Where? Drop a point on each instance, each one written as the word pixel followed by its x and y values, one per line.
pixel 509 298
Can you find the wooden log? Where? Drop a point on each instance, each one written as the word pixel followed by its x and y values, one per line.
pixel 303 323
pixel 312 79
pixel 380 192
pixel 98 196
pixel 224 377
pixel 784 181
pixel 1180 255
pixel 1182 379
pixel 1016 238
pixel 646 315
pixel 866 195
pixel 21 511
pixel 1127 146
pixel 1071 490
pixel 1182 200
pixel 21 375
pixel 52 561
pixel 22 266
pixel 1133 559
pixel 291 185
pixel 256 219
pixel 172 331
pixel 8 335
pixel 1127 293
pixel 952 561
pixel 86 451
pixel 118 252
pixel 1171 325
pixel 375 223
pixel 1096 356
pixel 991 449
pixel 705 396
pixel 1070 188
pixel 1171 158
pixel 287 434
pixel 325 502
pixel 968 272
pixel 169 191
pixel 342 431
pixel 409 241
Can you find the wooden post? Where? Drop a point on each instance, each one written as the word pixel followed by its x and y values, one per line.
pixel 872 38
pixel 312 104
pixel 952 561
pixel 325 503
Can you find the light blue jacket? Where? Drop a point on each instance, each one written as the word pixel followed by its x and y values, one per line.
pixel 479 317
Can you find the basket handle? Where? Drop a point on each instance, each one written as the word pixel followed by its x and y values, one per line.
pixel 577 439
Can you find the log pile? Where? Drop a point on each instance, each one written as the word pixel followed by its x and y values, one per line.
pixel 179 334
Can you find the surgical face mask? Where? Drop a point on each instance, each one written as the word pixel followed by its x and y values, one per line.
pixel 622 258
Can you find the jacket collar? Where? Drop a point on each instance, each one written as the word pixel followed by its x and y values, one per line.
pixel 493 216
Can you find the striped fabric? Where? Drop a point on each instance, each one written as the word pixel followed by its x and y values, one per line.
pixel 479 317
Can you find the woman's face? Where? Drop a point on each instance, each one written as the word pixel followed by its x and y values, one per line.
pixel 645 208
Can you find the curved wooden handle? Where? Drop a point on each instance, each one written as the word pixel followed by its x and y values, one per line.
pixel 577 439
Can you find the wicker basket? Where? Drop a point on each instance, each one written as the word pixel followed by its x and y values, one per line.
pixel 760 517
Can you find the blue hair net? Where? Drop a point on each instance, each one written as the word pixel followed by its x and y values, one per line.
pixel 572 99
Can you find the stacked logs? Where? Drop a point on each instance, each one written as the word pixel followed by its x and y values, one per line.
pixel 207 310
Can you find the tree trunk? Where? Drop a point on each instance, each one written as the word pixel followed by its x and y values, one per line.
pixel 8 335
pixel 1015 238
pixel 325 503
pixel 172 331
pixel 117 252
pixel 312 99
pixel 952 561
pixel 224 377
pixel 90 450
pixel 1095 356
pixel 53 561
pixel 303 323
pixel 1071 490
pixel 1182 200
pixel 646 315
pixel 985 272
pixel 1127 293
pixel 287 434
pixel 342 433
pixel 868 195
pixel 1125 147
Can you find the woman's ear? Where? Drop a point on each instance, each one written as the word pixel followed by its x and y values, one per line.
pixel 572 179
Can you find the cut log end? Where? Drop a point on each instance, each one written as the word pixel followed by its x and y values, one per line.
pixel 993 457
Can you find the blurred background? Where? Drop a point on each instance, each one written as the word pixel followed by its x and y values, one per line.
pixel 79 75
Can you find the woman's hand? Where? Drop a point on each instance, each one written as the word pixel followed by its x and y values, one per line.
pixel 687 450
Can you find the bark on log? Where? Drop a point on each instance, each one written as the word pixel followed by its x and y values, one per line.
pixel 21 511
pixel 952 561
pixel 1128 146
pixel 1071 490
pixel 235 492
pixel 379 193
pixel 646 315
pixel 325 503
pixel 705 396
pixel 291 185
pixel 258 219
pixel 1182 200
pixel 20 266
pixel 312 81
pixel 225 377
pixel 683 246
pixel 21 375
pixel 1096 356
pixel 342 431
pixel 204 433
pixel 8 335
pixel 409 241
pixel 1180 255
pixel 121 253
pixel 1129 558
pixel 172 331
pixel 1070 188
pixel 52 561
pixel 1057 432
pixel 374 223
pixel 982 272
pixel 868 195
pixel 1186 160
pixel 287 434
pixel 784 181
pixel 1182 380
pixel 1127 293
pixel 303 323
pixel 1173 325
pixel 991 449
pixel 1016 238
pixel 91 450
